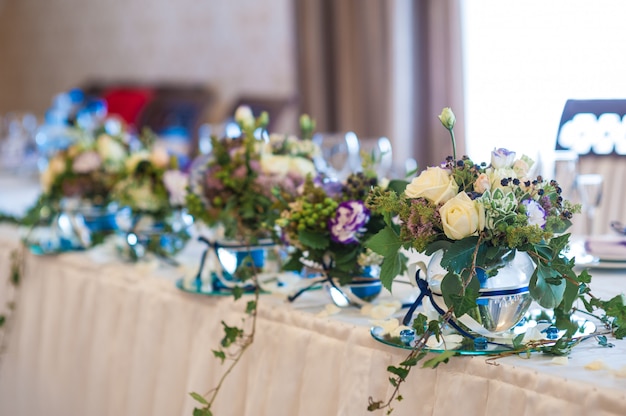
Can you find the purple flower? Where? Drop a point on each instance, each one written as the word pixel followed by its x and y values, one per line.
pixel 535 213
pixel 348 223
pixel 502 158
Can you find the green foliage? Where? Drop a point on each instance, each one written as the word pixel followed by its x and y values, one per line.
pixel 231 335
pixel 385 243
pixel 444 357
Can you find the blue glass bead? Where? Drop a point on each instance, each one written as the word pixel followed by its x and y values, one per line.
pixel 480 343
pixel 407 336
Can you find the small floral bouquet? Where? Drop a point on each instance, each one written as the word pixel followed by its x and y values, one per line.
pixel 241 182
pixel 327 225
pixel 86 170
pixel 150 196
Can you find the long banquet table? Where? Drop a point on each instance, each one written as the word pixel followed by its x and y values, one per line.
pixel 94 335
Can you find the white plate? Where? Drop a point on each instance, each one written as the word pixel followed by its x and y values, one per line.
pixel 596 263
pixel 607 248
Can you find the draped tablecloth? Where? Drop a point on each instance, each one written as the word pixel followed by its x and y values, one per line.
pixel 98 336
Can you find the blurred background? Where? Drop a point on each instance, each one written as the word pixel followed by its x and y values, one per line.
pixel 378 68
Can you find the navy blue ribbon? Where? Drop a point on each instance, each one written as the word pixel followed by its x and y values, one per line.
pixel 424 288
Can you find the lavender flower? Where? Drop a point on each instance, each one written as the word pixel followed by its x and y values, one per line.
pixel 535 213
pixel 348 223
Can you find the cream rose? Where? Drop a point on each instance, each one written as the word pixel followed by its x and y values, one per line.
pixel 435 184
pixel 135 159
pixel 159 157
pixel 110 149
pixel 462 217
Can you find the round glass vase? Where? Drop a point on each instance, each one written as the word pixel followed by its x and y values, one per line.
pixel 361 289
pixel 237 261
pixel 142 233
pixel 503 298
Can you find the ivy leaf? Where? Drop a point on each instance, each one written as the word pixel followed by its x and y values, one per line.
pixel 400 372
pixel 250 307
pixel 459 255
pixel 231 333
pixel 392 266
pixel 199 398
pixel 237 292
pixel 202 412
pixel 313 240
pixel 2 320
pixel 419 324
pixel 220 354
pixel 455 295
pixel 444 357
pixel 547 295
pixel 385 242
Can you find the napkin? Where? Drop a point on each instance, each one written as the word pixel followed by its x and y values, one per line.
pixel 607 247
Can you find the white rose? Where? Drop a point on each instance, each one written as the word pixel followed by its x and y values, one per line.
pixel 110 149
pixel 159 157
pixel 462 217
pixel 435 184
pixel 275 165
pixel 301 167
pixel 496 176
pixel 135 158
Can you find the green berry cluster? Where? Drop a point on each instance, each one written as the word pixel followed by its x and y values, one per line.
pixel 314 216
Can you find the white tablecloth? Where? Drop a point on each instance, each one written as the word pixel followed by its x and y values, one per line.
pixel 97 336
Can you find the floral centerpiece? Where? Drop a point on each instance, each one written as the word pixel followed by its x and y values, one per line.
pixel 152 194
pixel 242 180
pixel 327 225
pixel 474 218
pixel 478 215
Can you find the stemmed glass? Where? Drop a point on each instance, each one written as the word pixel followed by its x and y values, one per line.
pixel 340 154
pixel 589 187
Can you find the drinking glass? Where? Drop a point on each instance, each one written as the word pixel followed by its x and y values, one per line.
pixel 565 171
pixel 340 154
pixel 589 187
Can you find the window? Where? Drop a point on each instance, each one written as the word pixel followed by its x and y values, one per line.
pixel 524 59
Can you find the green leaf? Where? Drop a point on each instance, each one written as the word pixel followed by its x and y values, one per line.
pixel 237 292
pixel 547 295
pixel 464 303
pixel 3 319
pixel 313 240
pixel 455 295
pixel 419 324
pixel 459 255
pixel 220 354
pixel 400 372
pixel 386 242
pixel 397 185
pixel 202 412
pixel 199 398
pixel 444 357
pixel 250 307
pixel 392 266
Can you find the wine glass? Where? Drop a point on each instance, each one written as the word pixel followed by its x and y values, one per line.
pixel 589 187
pixel 565 171
pixel 340 154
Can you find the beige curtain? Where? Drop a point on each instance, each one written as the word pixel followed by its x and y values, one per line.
pixel 382 68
